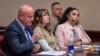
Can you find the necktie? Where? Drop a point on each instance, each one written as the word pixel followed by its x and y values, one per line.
pixel 26 33
pixel 75 34
pixel 73 30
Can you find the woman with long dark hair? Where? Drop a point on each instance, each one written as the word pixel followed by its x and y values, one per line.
pixel 69 25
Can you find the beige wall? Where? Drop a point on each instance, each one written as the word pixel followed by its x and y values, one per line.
pixel 89 10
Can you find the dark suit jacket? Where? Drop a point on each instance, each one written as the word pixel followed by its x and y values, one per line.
pixel 15 43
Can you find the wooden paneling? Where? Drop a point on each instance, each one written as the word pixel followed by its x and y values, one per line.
pixel 2 29
pixel 94 35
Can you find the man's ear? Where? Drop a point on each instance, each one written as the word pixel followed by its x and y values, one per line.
pixel 20 17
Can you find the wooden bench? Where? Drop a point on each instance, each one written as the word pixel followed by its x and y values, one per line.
pixel 2 29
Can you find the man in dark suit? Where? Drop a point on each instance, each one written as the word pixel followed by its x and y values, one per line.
pixel 18 38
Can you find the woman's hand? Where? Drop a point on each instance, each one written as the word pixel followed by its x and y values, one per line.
pixel 78 42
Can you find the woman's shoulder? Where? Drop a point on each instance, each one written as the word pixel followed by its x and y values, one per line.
pixel 37 29
pixel 61 25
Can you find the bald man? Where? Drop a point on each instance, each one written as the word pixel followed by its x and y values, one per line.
pixel 18 38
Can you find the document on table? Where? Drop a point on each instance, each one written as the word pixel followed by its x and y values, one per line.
pixel 52 52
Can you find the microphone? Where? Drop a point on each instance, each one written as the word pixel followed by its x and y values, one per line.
pixel 91 53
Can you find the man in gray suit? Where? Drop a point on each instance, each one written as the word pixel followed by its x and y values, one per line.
pixel 18 38
pixel 56 10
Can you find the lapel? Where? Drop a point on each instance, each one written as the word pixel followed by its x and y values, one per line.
pixel 20 30
pixel 30 30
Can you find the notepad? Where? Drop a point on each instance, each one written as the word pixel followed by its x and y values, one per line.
pixel 52 52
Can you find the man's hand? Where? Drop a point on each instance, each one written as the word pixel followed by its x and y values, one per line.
pixel 36 36
pixel 36 48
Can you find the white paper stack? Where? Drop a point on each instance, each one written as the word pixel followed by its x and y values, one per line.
pixel 54 53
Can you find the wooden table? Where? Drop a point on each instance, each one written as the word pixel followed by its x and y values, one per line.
pixel 83 53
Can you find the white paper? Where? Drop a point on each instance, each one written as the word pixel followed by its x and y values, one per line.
pixel 52 52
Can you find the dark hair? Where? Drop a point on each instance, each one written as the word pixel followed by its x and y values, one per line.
pixel 38 18
pixel 66 12
pixel 54 4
